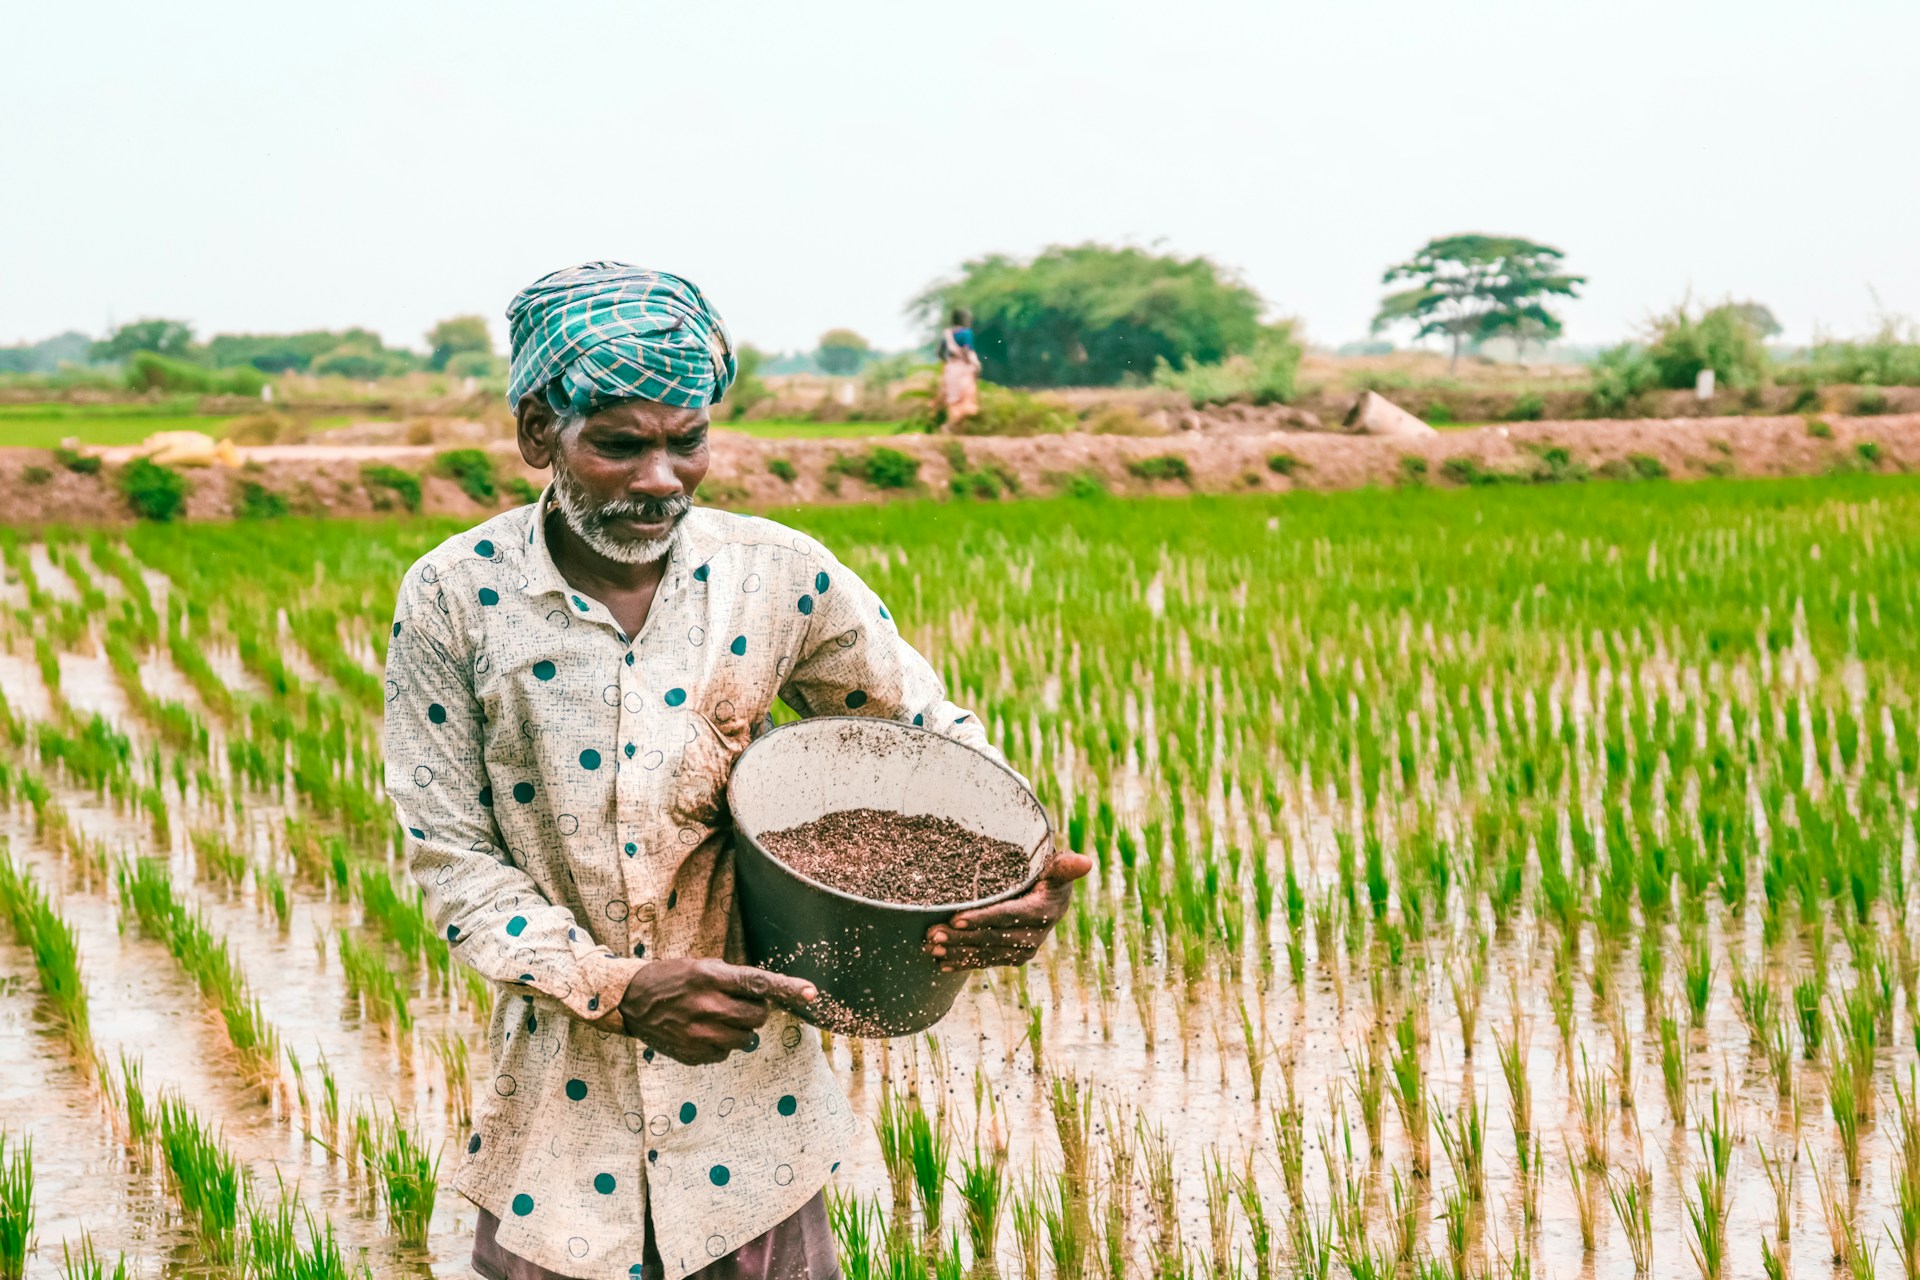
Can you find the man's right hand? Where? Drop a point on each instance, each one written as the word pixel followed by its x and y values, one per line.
pixel 700 1010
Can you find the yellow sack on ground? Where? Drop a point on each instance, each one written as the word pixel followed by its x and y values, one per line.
pixel 180 448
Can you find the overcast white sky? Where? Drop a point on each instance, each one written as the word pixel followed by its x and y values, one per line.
pixel 256 167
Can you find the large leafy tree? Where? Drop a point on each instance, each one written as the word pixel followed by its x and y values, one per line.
pixel 1090 315
pixel 170 338
pixel 458 336
pixel 841 352
pixel 1470 288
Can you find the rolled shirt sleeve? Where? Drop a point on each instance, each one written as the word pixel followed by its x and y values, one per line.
pixel 852 660
pixel 491 911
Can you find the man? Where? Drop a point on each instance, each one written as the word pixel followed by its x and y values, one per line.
pixel 568 685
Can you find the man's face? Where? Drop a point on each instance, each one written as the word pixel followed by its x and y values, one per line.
pixel 625 476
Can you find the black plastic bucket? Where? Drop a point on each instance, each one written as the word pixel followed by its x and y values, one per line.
pixel 867 958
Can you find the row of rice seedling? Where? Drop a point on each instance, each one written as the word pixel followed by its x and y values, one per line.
pixel 146 890
pixel 1626 790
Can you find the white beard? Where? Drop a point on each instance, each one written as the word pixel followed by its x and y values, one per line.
pixel 589 523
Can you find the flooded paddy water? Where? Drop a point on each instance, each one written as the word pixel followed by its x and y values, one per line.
pixel 1487 885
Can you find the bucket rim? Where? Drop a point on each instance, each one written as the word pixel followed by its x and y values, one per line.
pixel 933 909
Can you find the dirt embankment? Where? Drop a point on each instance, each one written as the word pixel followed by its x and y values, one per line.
pixel 327 480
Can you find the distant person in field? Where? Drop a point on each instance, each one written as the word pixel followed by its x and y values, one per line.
pixel 568 685
pixel 959 368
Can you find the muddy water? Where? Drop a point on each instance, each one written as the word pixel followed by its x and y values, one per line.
pixel 1206 1104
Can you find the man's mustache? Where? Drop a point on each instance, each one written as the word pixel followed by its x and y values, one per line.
pixel 647 510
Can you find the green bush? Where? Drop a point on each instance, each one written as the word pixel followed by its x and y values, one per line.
pixel 257 502
pixel 1870 452
pixel 1085 484
pixel 1635 466
pixel 1264 375
pixel 1819 429
pixel 1285 464
pixel 1413 469
pixel 519 488
pixel 385 483
pixel 886 468
pixel 154 492
pixel 1162 466
pixel 147 371
pixel 1528 407
pixel 1722 339
pixel 1557 466
pixel 1871 401
pixel 1468 471
pixel 36 475
pixel 472 470
pixel 782 469
pixel 1620 376
pixel 1807 398
pixel 1437 413
pixel 879 466
pixel 82 464
pixel 1890 358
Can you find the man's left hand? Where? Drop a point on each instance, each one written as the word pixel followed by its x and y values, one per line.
pixel 1009 932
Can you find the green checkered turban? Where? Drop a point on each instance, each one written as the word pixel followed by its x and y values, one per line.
pixel 590 336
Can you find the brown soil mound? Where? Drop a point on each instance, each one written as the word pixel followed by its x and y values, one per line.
pixel 755 474
pixel 919 861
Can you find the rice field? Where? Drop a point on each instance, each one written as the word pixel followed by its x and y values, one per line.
pixel 1489 883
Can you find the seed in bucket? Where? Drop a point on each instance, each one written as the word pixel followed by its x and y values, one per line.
pixel 916 860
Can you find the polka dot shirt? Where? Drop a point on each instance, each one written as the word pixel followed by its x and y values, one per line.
pixel 562 788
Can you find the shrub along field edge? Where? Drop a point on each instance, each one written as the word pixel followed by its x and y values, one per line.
pixel 40 486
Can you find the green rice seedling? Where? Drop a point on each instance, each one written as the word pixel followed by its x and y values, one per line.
pixel 1904 1233
pixel 1312 1250
pixel 893 1129
pixel 1842 1085
pixel 1403 1221
pixel 1409 1079
pixel 203 1176
pixel 1708 1239
pixel 1808 992
pixel 1259 1230
pixel 1290 1147
pixel 1027 1217
pixel 1836 1208
pixel 1117 1220
pixel 929 1146
pixel 1780 1172
pixel 1368 1080
pixel 16 1206
pixel 1631 1195
pixel 982 1185
pixel 1220 1223
pixel 379 988
pixel 1072 1108
pixel 273 1245
pixel 271 891
pixel 1167 1250
pixel 56 952
pixel 1459 1222
pixel 1624 1058
pixel 1673 1066
pixel 409 1181
pixel 87 1264
pixel 1772 1264
pixel 140 1117
pixel 1592 1099
pixel 1464 1143
pixel 1583 1198
pixel 329 1098
pixel 1467 979
pixel 1512 1049
pixel 452 1052
pixel 857 1229
pixel 1755 999
pixel 1698 979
